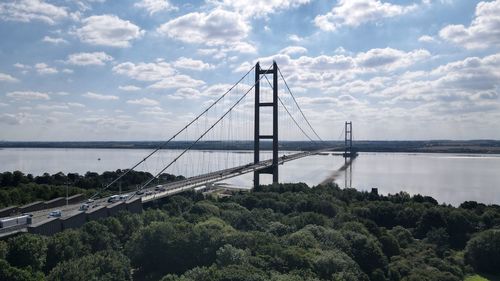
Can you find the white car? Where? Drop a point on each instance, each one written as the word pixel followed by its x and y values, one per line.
pixel 55 214
pixel 84 207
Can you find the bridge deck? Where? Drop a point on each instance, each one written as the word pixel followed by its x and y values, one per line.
pixel 196 182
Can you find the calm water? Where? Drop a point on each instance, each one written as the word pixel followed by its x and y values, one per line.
pixel 448 178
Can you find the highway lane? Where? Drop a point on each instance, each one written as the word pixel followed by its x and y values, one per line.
pixel 159 191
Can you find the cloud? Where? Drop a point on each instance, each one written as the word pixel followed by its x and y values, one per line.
pixel 483 32
pixel 258 8
pixel 145 71
pixel 177 81
pixel 215 28
pixel 109 123
pixel 75 104
pixel 426 39
pixel 95 58
pixel 53 40
pixel 155 6
pixel 28 95
pixel 353 13
pixel 326 72
pixel 129 88
pixel 293 50
pixel 108 30
pixel 390 59
pixel 7 78
pixel 95 96
pixel 144 102
pixel 30 10
pixel 192 64
pixel 43 68
pixel 11 119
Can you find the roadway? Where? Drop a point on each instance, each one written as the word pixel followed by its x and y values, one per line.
pixel 200 182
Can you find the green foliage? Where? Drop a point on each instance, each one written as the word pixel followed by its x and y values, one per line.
pixel 64 246
pixel 103 266
pixel 27 251
pixel 483 251
pixel 284 232
pixel 11 273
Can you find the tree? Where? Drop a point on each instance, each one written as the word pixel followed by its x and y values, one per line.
pixel 102 266
pixel 483 251
pixel 64 246
pixel 227 255
pixel 10 273
pixel 27 250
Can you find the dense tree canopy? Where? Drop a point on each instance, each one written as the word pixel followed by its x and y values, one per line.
pixel 287 232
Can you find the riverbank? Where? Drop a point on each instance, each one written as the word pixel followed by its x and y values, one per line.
pixel 424 146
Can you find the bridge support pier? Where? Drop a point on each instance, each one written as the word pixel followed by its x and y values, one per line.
pixel 273 169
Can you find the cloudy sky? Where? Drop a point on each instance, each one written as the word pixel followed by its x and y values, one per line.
pixel 139 69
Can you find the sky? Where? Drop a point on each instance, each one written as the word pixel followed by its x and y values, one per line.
pixel 141 69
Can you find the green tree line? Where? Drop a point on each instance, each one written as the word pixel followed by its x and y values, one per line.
pixel 287 232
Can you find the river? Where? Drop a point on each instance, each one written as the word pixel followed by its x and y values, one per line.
pixel 449 178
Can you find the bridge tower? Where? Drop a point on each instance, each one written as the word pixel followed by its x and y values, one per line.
pixel 349 155
pixel 348 140
pixel 273 169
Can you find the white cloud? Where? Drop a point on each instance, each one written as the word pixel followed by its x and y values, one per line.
pixel 356 12
pixel 426 39
pixel 177 81
pixel 95 96
pixel 29 10
pixel 390 59
pixel 145 71
pixel 52 107
pixel 258 8
pixel 215 28
pixel 11 119
pixel 293 50
pixel 95 58
pixel 7 78
pixel 28 95
pixel 75 104
pixel 129 88
pixel 295 38
pixel 144 102
pixel 43 68
pixel 108 30
pixel 154 6
pixel 483 32
pixel 53 40
pixel 192 64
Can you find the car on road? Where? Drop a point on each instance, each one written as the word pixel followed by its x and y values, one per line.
pixel 113 198
pixel 139 192
pixel 55 214
pixel 124 197
pixel 84 207
pixel 159 188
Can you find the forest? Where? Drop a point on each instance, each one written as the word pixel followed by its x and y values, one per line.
pixel 288 232
pixel 16 188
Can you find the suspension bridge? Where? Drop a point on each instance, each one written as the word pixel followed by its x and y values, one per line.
pixel 276 115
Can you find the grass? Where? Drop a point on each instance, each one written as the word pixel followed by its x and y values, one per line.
pixel 482 278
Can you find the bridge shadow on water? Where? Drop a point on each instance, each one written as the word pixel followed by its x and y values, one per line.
pixel 337 173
